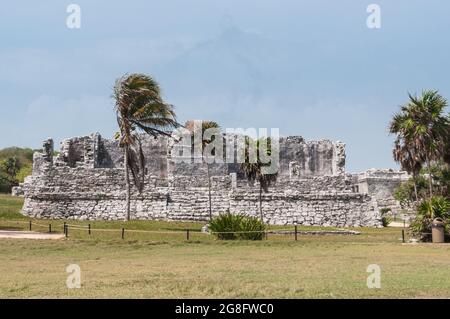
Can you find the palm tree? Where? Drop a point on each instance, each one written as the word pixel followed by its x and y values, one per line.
pixel 205 126
pixel 422 131
pixel 409 161
pixel 139 108
pixel 447 146
pixel 190 125
pixel 253 170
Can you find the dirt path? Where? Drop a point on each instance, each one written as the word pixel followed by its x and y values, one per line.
pixel 398 224
pixel 28 235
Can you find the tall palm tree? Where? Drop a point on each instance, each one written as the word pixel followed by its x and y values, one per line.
pixel 205 126
pixel 139 108
pixel 422 129
pixel 190 125
pixel 253 170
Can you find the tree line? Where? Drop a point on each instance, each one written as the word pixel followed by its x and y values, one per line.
pixel 15 164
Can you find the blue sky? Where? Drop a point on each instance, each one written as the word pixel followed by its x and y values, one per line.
pixel 310 68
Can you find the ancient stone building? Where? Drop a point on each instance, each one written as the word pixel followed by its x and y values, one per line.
pixel 381 184
pixel 86 181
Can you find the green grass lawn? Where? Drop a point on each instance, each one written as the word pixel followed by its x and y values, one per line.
pixel 10 207
pixel 148 265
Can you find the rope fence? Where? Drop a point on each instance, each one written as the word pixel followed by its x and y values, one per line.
pixel 186 232
pixel 66 228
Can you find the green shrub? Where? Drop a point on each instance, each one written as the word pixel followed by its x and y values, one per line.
pixel 225 223
pixel 427 211
pixel 385 220
pixel 229 226
pixel 253 224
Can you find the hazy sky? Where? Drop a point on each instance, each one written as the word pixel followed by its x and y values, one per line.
pixel 311 68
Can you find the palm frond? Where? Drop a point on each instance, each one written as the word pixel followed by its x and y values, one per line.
pixel 139 108
pixel 422 130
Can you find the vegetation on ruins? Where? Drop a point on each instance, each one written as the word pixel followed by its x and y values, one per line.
pixel 422 148
pixel 139 108
pixel 253 167
pixel 230 226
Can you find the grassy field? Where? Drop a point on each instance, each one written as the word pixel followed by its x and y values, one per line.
pixel 147 265
pixel 10 207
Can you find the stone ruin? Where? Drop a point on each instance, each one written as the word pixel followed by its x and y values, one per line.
pixel 85 181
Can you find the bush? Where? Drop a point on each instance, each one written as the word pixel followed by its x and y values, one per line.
pixel 228 227
pixel 427 211
pixel 253 224
pixel 385 220
pixel 226 223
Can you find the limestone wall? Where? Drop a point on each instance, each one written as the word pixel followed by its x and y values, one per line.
pixel 86 181
pixel 381 185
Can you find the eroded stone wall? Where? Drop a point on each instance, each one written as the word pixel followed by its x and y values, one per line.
pixel 381 185
pixel 86 181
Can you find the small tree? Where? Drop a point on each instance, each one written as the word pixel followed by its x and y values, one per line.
pixel 411 191
pixel 254 168
pixel 9 168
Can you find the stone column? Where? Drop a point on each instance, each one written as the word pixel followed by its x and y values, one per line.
pixel 43 161
pixel 339 158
